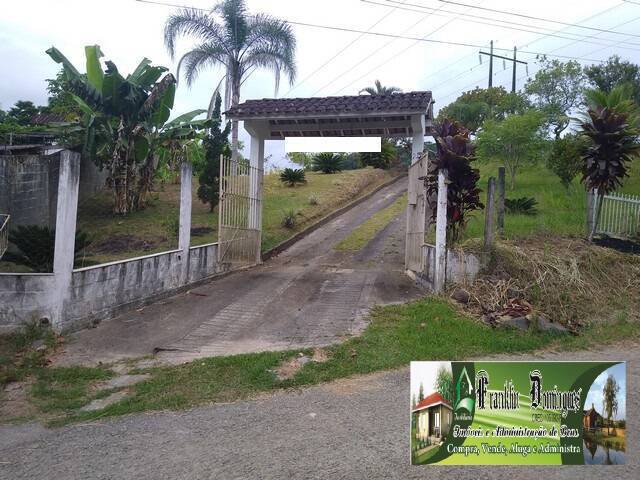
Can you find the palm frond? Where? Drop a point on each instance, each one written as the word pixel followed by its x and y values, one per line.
pixel 191 22
pixel 204 55
pixel 235 20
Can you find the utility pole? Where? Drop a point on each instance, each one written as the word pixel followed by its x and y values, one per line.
pixel 491 66
pixel 515 61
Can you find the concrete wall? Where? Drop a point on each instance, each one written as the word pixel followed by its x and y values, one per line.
pixel 102 291
pixel 72 299
pixel 461 267
pixel 25 297
pixel 29 187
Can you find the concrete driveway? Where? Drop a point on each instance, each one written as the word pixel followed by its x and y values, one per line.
pixel 356 428
pixel 309 295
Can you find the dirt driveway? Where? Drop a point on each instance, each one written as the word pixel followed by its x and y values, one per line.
pixel 309 295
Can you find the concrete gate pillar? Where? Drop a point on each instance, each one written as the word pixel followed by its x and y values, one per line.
pixel 66 215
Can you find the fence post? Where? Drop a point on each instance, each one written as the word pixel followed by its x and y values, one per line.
pixel 488 219
pixel 501 188
pixel 184 229
pixel 441 234
pixel 66 214
pixel 591 211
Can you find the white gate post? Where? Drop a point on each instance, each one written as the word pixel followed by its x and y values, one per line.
pixel 441 233
pixel 66 215
pixel 415 208
pixel 184 235
pixel 255 189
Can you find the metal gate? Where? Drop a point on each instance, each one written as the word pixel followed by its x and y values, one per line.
pixel 619 215
pixel 416 211
pixel 240 213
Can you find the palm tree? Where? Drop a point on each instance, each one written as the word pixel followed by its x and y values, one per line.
pixel 380 90
pixel 236 41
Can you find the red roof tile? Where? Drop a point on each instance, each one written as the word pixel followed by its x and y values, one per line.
pixel 294 107
pixel 430 400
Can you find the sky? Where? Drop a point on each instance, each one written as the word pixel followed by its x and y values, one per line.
pixel 425 373
pixel 595 397
pixel 329 62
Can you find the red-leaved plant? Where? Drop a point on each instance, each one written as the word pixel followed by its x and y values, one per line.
pixel 455 153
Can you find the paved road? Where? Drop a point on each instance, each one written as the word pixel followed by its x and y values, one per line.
pixel 354 429
pixel 310 295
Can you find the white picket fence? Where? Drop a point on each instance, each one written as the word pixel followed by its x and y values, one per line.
pixel 619 216
pixel 4 233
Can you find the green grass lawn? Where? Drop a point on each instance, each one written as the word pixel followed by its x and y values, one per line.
pixel 154 229
pixel 428 329
pixel 365 232
pixel 560 211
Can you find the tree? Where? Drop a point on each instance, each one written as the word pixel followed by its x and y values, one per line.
pixel 421 393
pixel 472 108
pixel 22 112
pixel 455 155
pixel 216 145
pixel 120 119
pixel 61 99
pixel 379 89
pixel 614 73
pixel 565 157
pixel 557 91
pixel 444 384
pixel 305 160
pixel 236 41
pixel 515 141
pixel 383 159
pixel 611 124
pixel 610 399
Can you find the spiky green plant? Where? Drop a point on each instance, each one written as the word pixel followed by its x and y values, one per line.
pixel 327 163
pixel 291 176
pixel 36 246
pixel 522 205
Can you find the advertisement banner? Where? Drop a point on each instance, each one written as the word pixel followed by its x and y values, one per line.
pixel 518 413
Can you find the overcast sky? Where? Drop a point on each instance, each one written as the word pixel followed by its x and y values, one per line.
pixel 128 30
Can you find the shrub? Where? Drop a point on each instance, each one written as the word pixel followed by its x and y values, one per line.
pixel 383 159
pixel 565 157
pixel 523 205
pixel 313 200
pixel 172 226
pixel 455 154
pixel 289 219
pixel 36 246
pixel 327 163
pixel 290 176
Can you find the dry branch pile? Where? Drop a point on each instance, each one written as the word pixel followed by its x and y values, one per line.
pixel 567 280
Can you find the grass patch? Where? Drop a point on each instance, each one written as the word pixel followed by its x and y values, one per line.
pixel 24 352
pixel 428 329
pixel 65 389
pixel 152 229
pixel 561 211
pixel 366 231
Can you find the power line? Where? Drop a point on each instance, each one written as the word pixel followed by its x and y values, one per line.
pixel 395 56
pixel 337 54
pixel 375 52
pixel 542 37
pixel 379 34
pixel 531 17
pixel 491 22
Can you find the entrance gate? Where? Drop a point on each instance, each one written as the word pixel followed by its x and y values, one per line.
pixel 240 213
pixel 416 212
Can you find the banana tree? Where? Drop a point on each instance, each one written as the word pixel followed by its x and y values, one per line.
pixel 120 116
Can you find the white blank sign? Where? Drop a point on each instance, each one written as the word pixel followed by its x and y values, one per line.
pixel 332 144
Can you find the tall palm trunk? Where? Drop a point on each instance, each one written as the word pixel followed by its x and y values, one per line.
pixel 235 100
